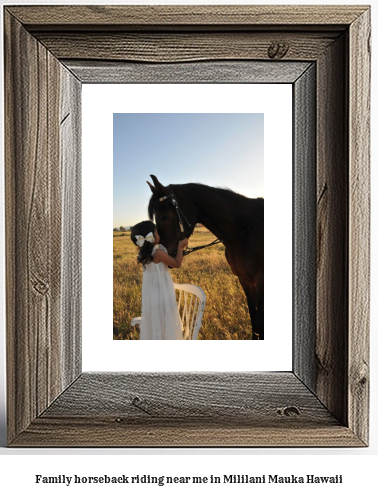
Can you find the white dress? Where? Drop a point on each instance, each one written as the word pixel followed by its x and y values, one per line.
pixel 160 317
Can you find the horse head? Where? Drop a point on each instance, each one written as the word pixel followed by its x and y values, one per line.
pixel 166 217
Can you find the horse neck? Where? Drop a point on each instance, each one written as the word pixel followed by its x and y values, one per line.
pixel 213 212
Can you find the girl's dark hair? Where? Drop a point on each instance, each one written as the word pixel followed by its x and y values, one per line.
pixel 143 228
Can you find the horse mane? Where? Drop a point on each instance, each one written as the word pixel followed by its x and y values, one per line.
pixel 150 209
pixel 226 192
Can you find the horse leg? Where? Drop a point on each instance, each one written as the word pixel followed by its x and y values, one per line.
pixel 260 308
pixel 254 292
pixel 250 293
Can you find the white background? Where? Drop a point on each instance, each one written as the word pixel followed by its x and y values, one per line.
pixel 100 351
pixel 357 465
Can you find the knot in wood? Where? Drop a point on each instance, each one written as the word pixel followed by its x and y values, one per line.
pixel 277 50
pixel 41 287
pixel 362 375
pixel 288 411
pixel 136 400
pixel 363 380
pixel 140 404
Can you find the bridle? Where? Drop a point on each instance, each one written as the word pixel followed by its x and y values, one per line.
pixel 181 215
pixel 179 212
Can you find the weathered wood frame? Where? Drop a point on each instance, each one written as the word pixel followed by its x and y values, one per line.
pixel 49 52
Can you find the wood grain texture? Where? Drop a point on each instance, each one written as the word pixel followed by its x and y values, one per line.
pixel 70 163
pixel 199 72
pixel 100 432
pixel 180 47
pixel 33 228
pixel 216 396
pixel 332 230
pixel 304 227
pixel 32 313
pixel 224 409
pixel 173 16
pixel 359 226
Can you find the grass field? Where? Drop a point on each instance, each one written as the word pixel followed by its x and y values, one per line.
pixel 226 313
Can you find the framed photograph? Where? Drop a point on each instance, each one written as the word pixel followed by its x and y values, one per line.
pixel 213 161
pixel 323 53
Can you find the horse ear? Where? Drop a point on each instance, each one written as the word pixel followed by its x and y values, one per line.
pixel 153 189
pixel 158 186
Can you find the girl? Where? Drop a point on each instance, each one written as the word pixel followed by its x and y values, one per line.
pixel 160 317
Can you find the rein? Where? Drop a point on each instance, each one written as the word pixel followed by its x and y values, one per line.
pixel 215 242
pixel 180 214
pixel 189 250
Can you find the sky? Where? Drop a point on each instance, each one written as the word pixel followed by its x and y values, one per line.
pixel 217 149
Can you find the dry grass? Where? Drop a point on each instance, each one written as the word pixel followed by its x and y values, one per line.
pixel 226 313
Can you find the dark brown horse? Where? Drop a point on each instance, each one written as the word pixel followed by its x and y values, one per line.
pixel 236 220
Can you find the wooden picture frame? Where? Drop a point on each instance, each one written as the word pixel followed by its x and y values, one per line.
pixel 49 52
